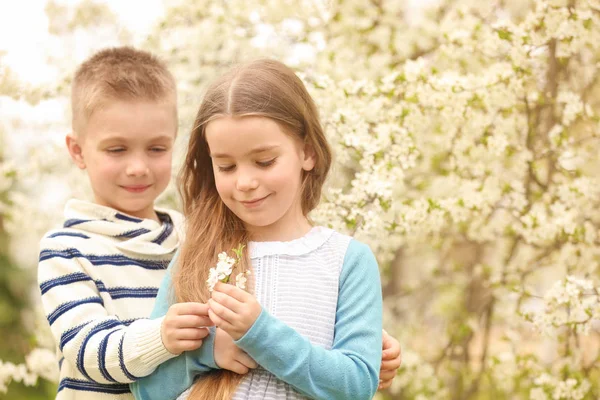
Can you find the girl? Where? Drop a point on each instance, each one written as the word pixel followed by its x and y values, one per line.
pixel 255 167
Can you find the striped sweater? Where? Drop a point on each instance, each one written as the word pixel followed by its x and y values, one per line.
pixel 98 277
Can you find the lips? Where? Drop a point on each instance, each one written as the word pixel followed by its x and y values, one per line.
pixel 254 203
pixel 136 188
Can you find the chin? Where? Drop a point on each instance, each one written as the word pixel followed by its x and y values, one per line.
pixel 133 209
pixel 251 219
pixel 259 222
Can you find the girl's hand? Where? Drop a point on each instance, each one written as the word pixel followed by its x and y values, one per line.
pixel 229 356
pixel 391 361
pixel 233 310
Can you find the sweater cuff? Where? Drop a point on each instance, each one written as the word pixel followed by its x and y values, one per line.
pixel 258 332
pixel 205 355
pixel 143 345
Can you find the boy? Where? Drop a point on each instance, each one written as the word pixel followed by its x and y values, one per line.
pixel 100 273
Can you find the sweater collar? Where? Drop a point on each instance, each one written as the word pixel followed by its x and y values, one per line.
pixel 141 236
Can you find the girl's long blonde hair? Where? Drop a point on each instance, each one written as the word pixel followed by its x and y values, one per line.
pixel 264 88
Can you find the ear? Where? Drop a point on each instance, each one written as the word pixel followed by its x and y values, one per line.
pixel 74 147
pixel 309 158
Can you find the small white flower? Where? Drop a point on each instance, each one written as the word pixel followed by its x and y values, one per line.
pixel 223 257
pixel 240 281
pixel 212 280
pixel 222 271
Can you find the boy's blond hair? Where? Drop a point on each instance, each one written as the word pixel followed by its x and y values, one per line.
pixel 120 73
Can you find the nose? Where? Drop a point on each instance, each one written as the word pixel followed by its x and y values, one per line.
pixel 245 180
pixel 137 166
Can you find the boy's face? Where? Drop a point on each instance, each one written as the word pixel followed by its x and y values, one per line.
pixel 126 149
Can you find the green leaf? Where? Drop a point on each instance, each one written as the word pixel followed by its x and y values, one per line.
pixel 505 35
pixel 239 251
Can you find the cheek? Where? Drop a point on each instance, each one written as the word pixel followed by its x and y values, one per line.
pixel 107 166
pixel 103 173
pixel 286 176
pixel 223 185
pixel 162 166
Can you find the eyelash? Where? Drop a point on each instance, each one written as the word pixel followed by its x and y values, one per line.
pixel 120 150
pixel 263 164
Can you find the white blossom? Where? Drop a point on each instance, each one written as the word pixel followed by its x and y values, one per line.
pixel 240 280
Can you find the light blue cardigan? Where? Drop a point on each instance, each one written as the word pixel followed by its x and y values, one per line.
pixel 350 370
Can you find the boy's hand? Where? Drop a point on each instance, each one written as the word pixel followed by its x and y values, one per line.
pixel 183 328
pixel 229 356
pixel 233 310
pixel 390 362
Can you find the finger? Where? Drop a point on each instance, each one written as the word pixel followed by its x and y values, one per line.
pixel 391 347
pixel 191 334
pixel 192 321
pixel 220 322
pixel 243 358
pixel 233 291
pixel 391 365
pixel 384 384
pixel 190 308
pixel 227 301
pixel 223 312
pixel 387 375
pixel 189 345
pixel 215 318
pixel 390 354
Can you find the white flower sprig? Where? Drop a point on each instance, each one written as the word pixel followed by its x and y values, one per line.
pixel 223 269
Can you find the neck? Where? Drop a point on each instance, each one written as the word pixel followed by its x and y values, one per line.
pixel 280 232
pixel 147 213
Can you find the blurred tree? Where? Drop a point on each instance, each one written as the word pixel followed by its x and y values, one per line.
pixel 466 140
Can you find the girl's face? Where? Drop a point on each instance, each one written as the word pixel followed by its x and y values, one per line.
pixel 258 171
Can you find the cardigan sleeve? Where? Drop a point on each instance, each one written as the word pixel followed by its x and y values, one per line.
pixel 350 370
pixel 173 377
pixel 103 348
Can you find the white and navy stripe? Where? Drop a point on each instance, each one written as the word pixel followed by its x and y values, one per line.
pixel 89 386
pixel 98 278
pixel 94 259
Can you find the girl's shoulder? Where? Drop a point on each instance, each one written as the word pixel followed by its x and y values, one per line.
pixel 358 251
pixel 350 246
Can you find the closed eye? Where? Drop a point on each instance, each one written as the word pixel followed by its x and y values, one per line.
pixel 115 150
pixel 265 164
pixel 226 168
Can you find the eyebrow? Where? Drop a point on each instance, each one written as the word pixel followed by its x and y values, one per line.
pixel 260 149
pixel 123 139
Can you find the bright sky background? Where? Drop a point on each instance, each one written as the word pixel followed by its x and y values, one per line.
pixel 25 39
